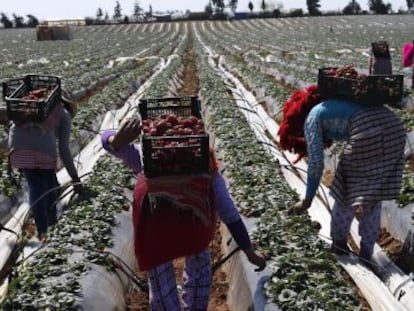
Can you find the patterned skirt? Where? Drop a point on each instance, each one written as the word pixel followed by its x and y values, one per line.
pixel 371 166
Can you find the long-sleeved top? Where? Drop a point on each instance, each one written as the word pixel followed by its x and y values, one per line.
pixel 33 146
pixel 329 120
pixel 227 211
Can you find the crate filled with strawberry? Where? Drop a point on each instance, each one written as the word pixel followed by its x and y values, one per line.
pixel 31 98
pixel 174 140
pixel 347 83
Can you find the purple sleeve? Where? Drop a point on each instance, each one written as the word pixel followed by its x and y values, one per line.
pixel 229 214
pixel 129 154
pixel 239 233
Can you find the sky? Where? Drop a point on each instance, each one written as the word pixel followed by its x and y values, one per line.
pixel 54 9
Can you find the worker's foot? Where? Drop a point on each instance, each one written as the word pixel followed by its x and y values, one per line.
pixel 340 248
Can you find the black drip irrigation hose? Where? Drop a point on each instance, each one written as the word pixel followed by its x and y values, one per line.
pixel 8 230
pixel 219 263
pixel 292 168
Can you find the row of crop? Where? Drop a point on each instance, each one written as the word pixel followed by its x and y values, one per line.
pixel 257 185
pixel 305 273
pixel 50 278
pixel 299 48
pixel 256 75
pixel 126 78
pixel 85 227
pixel 84 59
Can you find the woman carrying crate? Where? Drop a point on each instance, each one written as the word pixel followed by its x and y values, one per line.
pixel 370 168
pixel 179 222
pixel 380 59
pixel 32 150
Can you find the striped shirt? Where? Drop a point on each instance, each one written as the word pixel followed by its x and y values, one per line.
pixel 33 146
pixel 329 120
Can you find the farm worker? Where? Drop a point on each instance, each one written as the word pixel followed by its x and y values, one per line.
pixel 163 231
pixel 380 59
pixel 370 168
pixel 32 150
pixel 408 59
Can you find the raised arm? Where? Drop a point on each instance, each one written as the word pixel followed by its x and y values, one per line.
pixel 119 143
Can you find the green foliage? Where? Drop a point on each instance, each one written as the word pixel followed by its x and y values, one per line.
pixel 352 7
pixel 379 7
pixel 313 7
pixel 117 11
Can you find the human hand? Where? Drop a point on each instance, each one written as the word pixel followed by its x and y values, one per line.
pixel 299 207
pixel 255 259
pixel 129 130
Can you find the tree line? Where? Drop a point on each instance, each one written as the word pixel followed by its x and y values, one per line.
pixel 213 8
pixel 18 21
pixel 275 8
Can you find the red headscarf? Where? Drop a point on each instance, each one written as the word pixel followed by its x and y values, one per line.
pixel 295 111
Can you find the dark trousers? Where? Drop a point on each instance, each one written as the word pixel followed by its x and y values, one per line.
pixel 42 197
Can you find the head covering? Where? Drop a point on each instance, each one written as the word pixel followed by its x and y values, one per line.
pixel 295 111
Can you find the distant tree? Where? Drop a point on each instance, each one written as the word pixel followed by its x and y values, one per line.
pixel 18 21
pixel 7 23
pixel 313 7
pixel 352 7
pixel 379 7
pixel 90 21
pixel 125 20
pixel 277 13
pixel 410 4
pixel 295 13
pixel 251 7
pixel 263 6
pixel 106 18
pixel 218 5
pixel 117 11
pixel 137 10
pixel 233 4
pixel 99 14
pixel 209 9
pixel 32 21
pixel 150 11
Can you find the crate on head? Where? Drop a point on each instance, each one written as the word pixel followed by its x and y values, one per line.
pixel 182 154
pixel 183 106
pixel 372 90
pixel 32 97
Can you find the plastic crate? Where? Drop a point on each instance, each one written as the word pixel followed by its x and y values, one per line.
pixel 20 109
pixel 182 106
pixel 189 155
pixel 11 85
pixel 372 90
